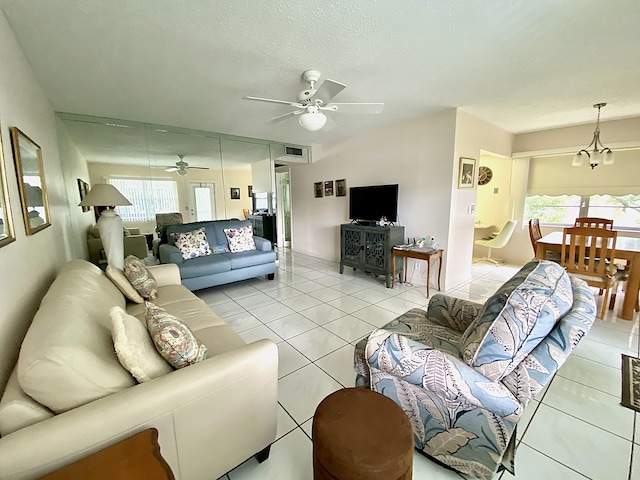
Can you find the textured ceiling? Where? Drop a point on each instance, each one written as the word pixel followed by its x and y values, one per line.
pixel 522 66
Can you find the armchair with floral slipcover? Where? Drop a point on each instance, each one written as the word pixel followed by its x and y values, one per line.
pixel 463 372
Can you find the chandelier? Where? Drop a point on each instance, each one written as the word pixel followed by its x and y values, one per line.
pixel 600 153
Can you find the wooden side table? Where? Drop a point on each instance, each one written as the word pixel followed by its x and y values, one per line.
pixel 419 254
pixel 136 457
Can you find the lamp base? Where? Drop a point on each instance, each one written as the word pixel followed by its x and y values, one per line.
pixel 110 227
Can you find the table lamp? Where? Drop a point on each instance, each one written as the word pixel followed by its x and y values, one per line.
pixel 109 223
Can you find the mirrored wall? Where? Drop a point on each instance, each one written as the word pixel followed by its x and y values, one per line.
pixel 162 169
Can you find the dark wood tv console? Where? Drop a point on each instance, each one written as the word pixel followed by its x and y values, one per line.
pixel 369 248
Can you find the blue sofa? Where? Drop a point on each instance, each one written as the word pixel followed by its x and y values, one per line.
pixel 220 268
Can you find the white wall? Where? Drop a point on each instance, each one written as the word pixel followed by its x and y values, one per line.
pixel 416 154
pixel 74 166
pixel 29 264
pixel 472 136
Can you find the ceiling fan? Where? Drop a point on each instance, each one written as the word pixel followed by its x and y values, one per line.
pixel 312 102
pixel 181 167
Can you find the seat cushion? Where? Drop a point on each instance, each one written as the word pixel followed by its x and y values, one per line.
pixel 516 319
pixel 201 266
pixel 250 258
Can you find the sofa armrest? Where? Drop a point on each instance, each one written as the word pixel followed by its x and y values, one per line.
pixel 452 312
pixel 133 230
pixel 437 371
pixel 94 246
pixel 165 274
pixel 262 244
pixel 228 402
pixel 170 254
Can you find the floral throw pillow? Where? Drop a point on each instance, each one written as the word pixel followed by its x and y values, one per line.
pixel 173 339
pixel 240 239
pixel 140 278
pixel 192 244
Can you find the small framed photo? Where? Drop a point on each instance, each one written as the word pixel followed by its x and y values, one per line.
pixel 317 189
pixel 328 188
pixel 83 188
pixel 467 172
pixel 235 194
pixel 250 190
pixel 341 188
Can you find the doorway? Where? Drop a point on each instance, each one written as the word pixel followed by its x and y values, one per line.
pixel 202 201
pixel 283 210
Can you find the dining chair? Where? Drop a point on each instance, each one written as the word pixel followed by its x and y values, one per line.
pixel 499 241
pixel 535 234
pixel 588 253
pixel 594 222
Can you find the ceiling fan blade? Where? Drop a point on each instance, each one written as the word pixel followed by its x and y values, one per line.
pixel 355 107
pixel 171 169
pixel 330 125
pixel 199 168
pixel 271 100
pixel 328 90
pixel 279 118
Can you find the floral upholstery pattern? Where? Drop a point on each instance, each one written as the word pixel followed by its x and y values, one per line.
pixel 141 278
pixel 240 239
pixel 459 416
pixel 192 244
pixel 516 318
pixel 172 338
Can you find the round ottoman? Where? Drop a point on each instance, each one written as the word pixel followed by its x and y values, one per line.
pixel 361 434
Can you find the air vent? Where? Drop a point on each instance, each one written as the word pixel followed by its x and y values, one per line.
pixel 293 152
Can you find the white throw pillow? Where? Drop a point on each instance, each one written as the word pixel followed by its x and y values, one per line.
pixel 121 281
pixel 240 239
pixel 192 244
pixel 134 347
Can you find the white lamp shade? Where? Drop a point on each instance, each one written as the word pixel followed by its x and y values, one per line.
pixel 596 158
pixel 577 160
pixel 103 195
pixel 608 158
pixel 313 121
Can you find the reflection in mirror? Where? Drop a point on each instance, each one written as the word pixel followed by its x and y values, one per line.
pixel 31 183
pixel 6 224
pixel 172 170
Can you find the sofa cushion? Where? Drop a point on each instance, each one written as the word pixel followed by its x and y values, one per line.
pixel 120 280
pixel 201 266
pixel 173 339
pixel 516 319
pixel 134 347
pixel 192 244
pixel 67 357
pixel 240 239
pixel 250 258
pixel 141 279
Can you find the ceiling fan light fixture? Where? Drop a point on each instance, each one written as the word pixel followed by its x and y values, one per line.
pixel 182 172
pixel 312 121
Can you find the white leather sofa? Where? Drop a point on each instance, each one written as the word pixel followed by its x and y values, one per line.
pixel 69 396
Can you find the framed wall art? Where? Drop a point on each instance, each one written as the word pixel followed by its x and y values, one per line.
pixel 31 183
pixel 317 189
pixel 235 194
pixel 341 188
pixel 467 172
pixel 83 189
pixel 328 188
pixel 6 222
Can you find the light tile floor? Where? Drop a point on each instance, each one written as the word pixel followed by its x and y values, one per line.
pixel 575 429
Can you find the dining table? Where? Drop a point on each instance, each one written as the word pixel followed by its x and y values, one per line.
pixel 627 248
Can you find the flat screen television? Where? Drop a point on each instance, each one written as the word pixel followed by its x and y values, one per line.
pixel 371 203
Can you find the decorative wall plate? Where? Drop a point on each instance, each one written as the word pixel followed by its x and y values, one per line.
pixel 484 175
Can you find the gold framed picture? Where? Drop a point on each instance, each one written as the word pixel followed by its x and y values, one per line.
pixel 467 172
pixel 317 189
pixel 341 188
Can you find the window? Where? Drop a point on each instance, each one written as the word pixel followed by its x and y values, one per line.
pixel 148 198
pixel 624 209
